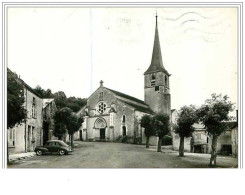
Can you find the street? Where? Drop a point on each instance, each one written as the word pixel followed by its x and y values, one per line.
pixel 118 155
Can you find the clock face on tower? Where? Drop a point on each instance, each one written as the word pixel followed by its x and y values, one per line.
pixel 101 107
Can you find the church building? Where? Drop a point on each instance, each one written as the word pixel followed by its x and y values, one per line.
pixel 109 114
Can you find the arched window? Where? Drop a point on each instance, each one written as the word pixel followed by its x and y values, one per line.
pixel 153 79
pixel 124 119
pixel 124 130
pixel 166 81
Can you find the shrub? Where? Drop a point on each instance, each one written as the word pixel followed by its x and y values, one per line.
pixel 124 139
pixel 167 140
pixel 138 140
pixel 118 139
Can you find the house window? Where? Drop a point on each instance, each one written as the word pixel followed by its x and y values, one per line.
pixel 153 80
pixel 156 88
pixel 101 96
pixel 124 119
pixel 124 130
pixel 11 137
pixel 33 108
pixel 101 107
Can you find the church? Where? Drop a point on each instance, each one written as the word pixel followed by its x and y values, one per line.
pixel 110 115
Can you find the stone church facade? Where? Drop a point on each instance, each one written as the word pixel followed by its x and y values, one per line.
pixel 110 114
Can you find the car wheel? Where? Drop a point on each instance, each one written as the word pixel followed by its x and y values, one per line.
pixel 39 152
pixel 62 152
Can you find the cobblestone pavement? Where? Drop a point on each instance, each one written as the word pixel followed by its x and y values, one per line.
pixel 118 155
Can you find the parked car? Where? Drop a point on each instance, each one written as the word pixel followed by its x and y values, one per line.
pixel 53 146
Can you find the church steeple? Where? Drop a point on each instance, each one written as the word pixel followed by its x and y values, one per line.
pixel 157 88
pixel 156 60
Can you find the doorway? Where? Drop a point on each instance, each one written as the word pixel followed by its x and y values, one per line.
pixel 45 132
pixel 102 133
pixel 226 149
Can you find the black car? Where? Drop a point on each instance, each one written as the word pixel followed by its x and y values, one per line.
pixel 53 146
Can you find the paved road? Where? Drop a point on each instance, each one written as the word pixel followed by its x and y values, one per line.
pixel 117 155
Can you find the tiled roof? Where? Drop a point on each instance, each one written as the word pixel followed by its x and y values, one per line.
pixel 127 96
pixel 134 102
pixel 139 108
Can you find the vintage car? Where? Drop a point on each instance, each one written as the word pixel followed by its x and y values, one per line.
pixel 53 146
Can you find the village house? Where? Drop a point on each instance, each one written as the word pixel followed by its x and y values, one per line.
pixel 26 136
pixel 49 109
pixel 39 125
pixel 110 115
pixel 201 141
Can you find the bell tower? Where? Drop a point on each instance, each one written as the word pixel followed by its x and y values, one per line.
pixel 157 88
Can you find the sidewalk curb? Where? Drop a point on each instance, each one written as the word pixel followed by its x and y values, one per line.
pixel 17 157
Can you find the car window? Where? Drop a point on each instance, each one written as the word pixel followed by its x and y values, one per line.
pixel 47 144
pixel 56 144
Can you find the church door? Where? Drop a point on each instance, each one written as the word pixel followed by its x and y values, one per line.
pixel 102 133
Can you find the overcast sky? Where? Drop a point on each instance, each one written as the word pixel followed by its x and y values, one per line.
pixel 72 49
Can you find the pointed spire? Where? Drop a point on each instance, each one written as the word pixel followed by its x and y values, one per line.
pixel 156 60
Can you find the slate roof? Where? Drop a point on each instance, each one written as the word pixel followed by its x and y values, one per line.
pixel 156 60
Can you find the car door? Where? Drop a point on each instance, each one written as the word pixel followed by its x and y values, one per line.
pixel 49 146
pixel 56 146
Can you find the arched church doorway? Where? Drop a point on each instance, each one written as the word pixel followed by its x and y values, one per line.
pixel 101 125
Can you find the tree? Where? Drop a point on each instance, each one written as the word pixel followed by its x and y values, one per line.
pixel 187 117
pixel 61 119
pixel 212 114
pixel 160 124
pixel 73 126
pixel 65 120
pixel 146 123
pixel 16 112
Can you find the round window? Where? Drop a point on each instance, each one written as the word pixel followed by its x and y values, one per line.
pixel 101 107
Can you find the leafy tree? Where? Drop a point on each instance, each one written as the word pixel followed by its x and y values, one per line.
pixel 187 117
pixel 212 114
pixel 16 113
pixel 61 119
pixel 73 126
pixel 66 120
pixel 160 124
pixel 146 121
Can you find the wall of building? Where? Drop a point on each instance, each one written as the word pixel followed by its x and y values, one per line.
pixel 223 139
pixel 29 134
pixel 234 140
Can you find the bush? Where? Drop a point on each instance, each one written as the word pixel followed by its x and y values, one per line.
pixel 118 139
pixel 124 139
pixel 167 140
pixel 138 140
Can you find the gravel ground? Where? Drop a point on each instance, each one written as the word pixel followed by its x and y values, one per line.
pixel 118 155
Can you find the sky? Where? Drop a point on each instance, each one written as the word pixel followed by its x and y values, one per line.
pixel 72 49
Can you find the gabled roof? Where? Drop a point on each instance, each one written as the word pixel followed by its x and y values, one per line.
pixel 156 60
pixel 132 101
pixel 47 101
pixel 126 96
pixel 139 107
pixel 26 85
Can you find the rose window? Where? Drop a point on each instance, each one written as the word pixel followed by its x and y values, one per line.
pixel 101 107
